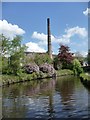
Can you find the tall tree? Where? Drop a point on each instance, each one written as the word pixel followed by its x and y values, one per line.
pixel 4 45
pixel 65 56
pixel 4 51
pixel 13 52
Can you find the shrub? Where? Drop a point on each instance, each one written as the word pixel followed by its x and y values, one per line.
pixel 42 75
pixel 31 67
pixel 29 77
pixel 34 75
pixel 28 59
pixel 77 69
pixel 57 63
pixel 47 68
pixel 42 58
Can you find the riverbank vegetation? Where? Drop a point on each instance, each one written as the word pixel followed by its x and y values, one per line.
pixel 64 72
pixel 15 66
pixel 11 79
pixel 86 76
pixel 85 79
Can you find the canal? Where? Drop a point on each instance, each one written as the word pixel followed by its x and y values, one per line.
pixel 64 97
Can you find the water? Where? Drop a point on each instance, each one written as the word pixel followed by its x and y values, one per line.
pixel 64 97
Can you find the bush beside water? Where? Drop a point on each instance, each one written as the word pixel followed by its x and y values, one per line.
pixel 85 79
pixel 85 76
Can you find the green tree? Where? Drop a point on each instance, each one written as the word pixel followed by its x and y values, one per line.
pixel 57 63
pixel 77 69
pixel 42 58
pixel 4 46
pixel 4 53
pixel 17 61
pixel 12 53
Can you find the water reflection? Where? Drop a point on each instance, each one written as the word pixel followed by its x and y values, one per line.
pixel 87 86
pixel 88 90
pixel 49 98
pixel 65 89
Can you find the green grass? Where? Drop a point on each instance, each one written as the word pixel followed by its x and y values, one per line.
pixel 10 79
pixel 85 76
pixel 64 72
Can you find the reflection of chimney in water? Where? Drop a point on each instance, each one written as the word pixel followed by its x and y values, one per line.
pixel 49 38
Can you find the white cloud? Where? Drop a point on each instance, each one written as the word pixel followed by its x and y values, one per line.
pixel 65 39
pixel 43 38
pixel 40 36
pixel 70 32
pixel 84 53
pixel 83 44
pixel 10 30
pixel 86 12
pixel 34 47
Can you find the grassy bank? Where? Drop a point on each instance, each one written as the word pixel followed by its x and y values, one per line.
pixel 64 72
pixel 85 79
pixel 11 79
pixel 85 76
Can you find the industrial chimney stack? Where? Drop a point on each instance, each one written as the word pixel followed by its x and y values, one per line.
pixel 49 38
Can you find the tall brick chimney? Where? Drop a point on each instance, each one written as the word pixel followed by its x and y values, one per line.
pixel 49 38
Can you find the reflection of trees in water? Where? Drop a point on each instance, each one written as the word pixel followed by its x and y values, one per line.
pixel 87 86
pixel 51 109
pixel 30 88
pixel 13 106
pixel 65 86
pixel 16 96
pixel 89 103
pixel 45 87
pixel 23 95
pixel 30 97
pixel 0 101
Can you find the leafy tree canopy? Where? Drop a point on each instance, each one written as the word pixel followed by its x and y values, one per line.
pixel 12 53
pixel 65 56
